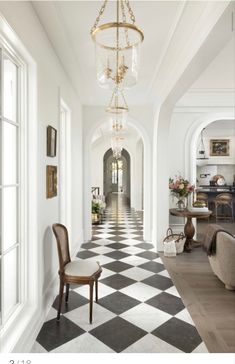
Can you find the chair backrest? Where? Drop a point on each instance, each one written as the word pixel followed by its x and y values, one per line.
pixel 62 240
pixel 202 196
pixel 224 197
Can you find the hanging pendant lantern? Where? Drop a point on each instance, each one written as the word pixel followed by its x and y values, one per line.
pixel 117 110
pixel 201 158
pixel 117 48
pixel 116 145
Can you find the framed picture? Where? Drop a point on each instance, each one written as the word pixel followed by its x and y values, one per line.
pixel 51 181
pixel 219 147
pixel 51 141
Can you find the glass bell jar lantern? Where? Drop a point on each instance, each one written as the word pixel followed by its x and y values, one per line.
pixel 117 46
pixel 117 111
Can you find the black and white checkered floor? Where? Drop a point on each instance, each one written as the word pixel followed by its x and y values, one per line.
pixel 139 309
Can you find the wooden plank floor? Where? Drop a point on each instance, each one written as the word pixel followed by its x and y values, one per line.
pixel 211 306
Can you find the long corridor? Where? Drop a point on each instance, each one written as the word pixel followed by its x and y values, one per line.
pixel 139 308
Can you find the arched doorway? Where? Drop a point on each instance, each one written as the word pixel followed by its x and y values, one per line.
pixel 117 176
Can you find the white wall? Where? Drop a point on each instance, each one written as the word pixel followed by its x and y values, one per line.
pixel 52 83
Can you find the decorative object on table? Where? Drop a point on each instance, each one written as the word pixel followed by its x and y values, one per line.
pixel 219 147
pixel 180 188
pixel 51 141
pixel 51 181
pixel 218 180
pixel 173 239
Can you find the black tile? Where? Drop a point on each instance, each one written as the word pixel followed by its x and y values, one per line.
pixel 148 255
pixel 118 302
pixel 153 267
pixel 117 245
pixel 89 245
pixel 56 333
pixel 118 334
pixel 117 266
pixel 167 302
pixel 117 238
pixel 159 282
pixel 86 254
pixel 117 255
pixel 145 246
pixel 117 281
pixel 75 301
pixel 179 333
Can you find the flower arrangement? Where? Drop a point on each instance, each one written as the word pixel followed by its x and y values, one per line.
pixel 97 206
pixel 180 187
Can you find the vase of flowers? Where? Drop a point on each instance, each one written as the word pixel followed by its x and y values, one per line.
pixel 180 188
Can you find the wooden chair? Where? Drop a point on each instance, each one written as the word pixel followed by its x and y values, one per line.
pixel 74 272
pixel 224 199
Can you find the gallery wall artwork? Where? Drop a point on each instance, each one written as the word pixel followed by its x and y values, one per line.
pixel 219 147
pixel 51 141
pixel 51 181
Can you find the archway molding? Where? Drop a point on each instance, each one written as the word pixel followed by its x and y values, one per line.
pixel 192 138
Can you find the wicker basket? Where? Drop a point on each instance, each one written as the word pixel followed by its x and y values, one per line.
pixel 178 238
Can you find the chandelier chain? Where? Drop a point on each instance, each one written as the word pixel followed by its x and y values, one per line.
pixel 132 16
pixel 124 21
pixel 102 9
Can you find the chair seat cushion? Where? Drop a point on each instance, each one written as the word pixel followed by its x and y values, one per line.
pixel 81 268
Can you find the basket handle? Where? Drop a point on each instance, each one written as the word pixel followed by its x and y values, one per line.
pixel 169 232
pixel 181 236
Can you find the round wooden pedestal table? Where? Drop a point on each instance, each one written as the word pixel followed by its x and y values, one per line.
pixel 189 229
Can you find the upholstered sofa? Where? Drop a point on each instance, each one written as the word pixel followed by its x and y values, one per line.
pixel 223 262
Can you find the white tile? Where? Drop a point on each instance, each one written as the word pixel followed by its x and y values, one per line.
pixel 185 316
pixel 151 344
pixel 157 260
pixel 104 236
pixel 173 290
pixel 137 273
pixel 134 260
pixel 37 348
pixel 140 291
pixel 80 316
pixel 103 290
pixel 146 317
pixel 105 230
pixel 103 242
pixel 127 230
pixel 201 349
pixel 102 250
pixel 132 250
pixel 102 259
pixel 130 242
pixel 85 343
pixel 51 314
pixel 164 273
pixel 106 273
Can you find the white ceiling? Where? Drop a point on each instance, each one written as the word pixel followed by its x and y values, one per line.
pixel 68 23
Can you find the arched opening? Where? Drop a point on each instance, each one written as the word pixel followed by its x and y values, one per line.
pixel 140 170
pixel 117 175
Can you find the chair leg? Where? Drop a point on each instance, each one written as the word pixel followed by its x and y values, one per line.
pixel 67 292
pixel 96 290
pixel 61 291
pixel 91 284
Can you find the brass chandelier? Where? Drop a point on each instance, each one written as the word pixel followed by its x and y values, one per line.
pixel 117 47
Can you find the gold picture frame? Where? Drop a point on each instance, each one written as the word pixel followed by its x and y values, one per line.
pixel 51 181
pixel 219 147
pixel 51 141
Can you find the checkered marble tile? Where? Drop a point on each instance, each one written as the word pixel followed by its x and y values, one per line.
pixel 139 308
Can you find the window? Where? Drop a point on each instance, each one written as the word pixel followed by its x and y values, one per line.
pixel 117 173
pixel 10 186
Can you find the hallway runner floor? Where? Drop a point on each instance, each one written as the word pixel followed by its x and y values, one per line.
pixel 139 309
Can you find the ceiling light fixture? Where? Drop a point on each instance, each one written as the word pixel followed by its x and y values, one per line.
pixel 117 110
pixel 117 47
